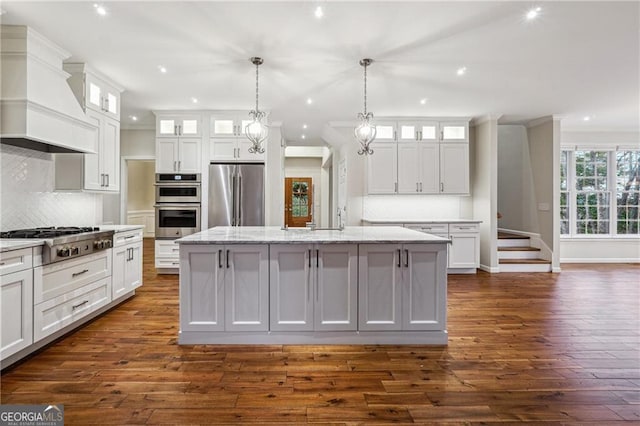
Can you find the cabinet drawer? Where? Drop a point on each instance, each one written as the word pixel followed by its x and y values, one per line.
pixel 122 238
pixel 167 262
pixel 16 260
pixel 54 280
pixel 57 313
pixel 464 227
pixel 430 228
pixel 167 248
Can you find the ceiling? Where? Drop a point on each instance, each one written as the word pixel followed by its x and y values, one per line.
pixel 575 60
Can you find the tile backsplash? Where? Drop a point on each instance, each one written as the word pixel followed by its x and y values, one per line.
pixel 417 207
pixel 28 198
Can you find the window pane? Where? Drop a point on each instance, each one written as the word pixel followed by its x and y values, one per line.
pixel 627 191
pixel 564 155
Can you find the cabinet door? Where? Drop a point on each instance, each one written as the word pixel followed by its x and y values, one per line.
pixel 166 126
pixel 429 159
pixel 464 251
pixel 223 149
pixel 244 154
pixel 454 131
pixel 112 102
pixel 424 293
pixel 94 94
pixel 385 132
pixel 454 168
pixel 247 288
pixel 167 155
pixel 202 288
pixel 408 131
pixel 16 312
pixel 93 179
pixel 382 168
pixel 379 287
pixel 336 287
pixel 189 126
pixel 119 271
pixel 110 154
pixel 133 275
pixel 224 127
pixel 189 155
pixel 291 306
pixel 408 168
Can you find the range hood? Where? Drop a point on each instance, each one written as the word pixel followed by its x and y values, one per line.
pixel 37 107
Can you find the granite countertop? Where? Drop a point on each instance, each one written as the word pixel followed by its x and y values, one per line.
pixel 8 244
pixel 421 220
pixel 120 228
pixel 275 235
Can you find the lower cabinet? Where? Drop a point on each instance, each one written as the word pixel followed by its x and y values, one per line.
pixel 464 251
pixel 224 288
pixel 402 287
pixel 127 263
pixel 313 287
pixel 167 255
pixel 16 311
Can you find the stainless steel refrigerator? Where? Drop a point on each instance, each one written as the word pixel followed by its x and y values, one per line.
pixel 236 194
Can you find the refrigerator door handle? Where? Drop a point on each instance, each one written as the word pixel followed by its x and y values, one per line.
pixel 233 200
pixel 239 200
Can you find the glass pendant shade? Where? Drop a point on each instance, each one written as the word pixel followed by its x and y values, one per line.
pixel 365 132
pixel 256 131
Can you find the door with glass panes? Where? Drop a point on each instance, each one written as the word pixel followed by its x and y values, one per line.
pixel 298 201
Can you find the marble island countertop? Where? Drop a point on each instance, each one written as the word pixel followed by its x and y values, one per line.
pixel 277 235
pixel 120 228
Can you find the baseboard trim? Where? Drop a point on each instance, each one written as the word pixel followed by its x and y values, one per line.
pixel 599 260
pixel 489 269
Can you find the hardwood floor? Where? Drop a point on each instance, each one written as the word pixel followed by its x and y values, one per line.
pixel 549 348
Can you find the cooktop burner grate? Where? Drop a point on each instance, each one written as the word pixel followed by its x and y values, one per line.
pixel 47 232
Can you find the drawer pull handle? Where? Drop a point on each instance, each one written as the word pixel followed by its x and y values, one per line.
pixel 176 249
pixel 130 236
pixel 74 307
pixel 1 263
pixel 75 274
pixel 175 263
pixel 464 227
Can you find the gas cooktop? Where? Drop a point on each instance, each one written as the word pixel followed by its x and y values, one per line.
pixel 47 232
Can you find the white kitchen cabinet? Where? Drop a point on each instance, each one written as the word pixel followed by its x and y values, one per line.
pixel 229 125
pixel 127 263
pixel 382 168
pixel 167 255
pixel 178 155
pixel 401 287
pixel 93 90
pixel 464 251
pixel 454 168
pixel 418 167
pixel 16 311
pixel 454 131
pixel 313 287
pixel 226 149
pixel 227 288
pixel 417 130
pixel 385 131
pixel 178 124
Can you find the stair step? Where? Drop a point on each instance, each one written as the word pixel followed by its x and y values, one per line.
pixel 523 261
pixel 508 236
pixel 515 248
pixel 513 242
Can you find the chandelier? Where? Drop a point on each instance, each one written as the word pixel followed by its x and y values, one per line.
pixel 256 131
pixel 365 132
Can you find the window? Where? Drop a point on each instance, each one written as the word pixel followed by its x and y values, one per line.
pixel 627 191
pixel 599 192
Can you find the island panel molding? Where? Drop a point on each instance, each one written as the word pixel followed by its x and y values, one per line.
pixel 308 286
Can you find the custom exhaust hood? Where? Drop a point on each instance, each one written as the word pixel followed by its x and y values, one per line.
pixel 38 109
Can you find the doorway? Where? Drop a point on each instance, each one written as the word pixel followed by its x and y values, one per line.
pixel 298 201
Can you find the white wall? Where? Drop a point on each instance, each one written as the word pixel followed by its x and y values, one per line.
pixel 28 199
pixel 484 184
pixel 140 143
pixel 417 207
pixel 274 188
pixel 589 250
pixel 140 190
pixel 516 200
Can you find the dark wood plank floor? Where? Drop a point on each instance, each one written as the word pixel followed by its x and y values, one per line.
pixel 549 348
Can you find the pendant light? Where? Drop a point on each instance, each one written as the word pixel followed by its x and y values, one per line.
pixel 365 132
pixel 256 131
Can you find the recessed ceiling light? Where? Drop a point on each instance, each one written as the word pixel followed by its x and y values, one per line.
pixel 133 117
pixel 533 13
pixel 194 100
pixel 423 101
pixel 319 13
pixel 586 118
pixel 303 136
pixel 100 10
pixel 162 69
pixel 304 126
pixel 309 101
pixel 461 70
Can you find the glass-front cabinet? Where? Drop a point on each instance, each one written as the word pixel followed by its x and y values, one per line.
pixel 417 131
pixel 178 125
pixel 229 125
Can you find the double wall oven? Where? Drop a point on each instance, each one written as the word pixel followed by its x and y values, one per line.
pixel 177 205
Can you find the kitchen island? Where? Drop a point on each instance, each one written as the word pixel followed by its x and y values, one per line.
pixel 267 285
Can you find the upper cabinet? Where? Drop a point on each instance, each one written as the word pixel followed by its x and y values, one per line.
pixel 229 125
pixel 172 125
pixel 100 99
pixel 420 156
pixel 228 141
pixel 93 90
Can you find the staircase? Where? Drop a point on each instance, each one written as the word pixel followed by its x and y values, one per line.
pixel 515 254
